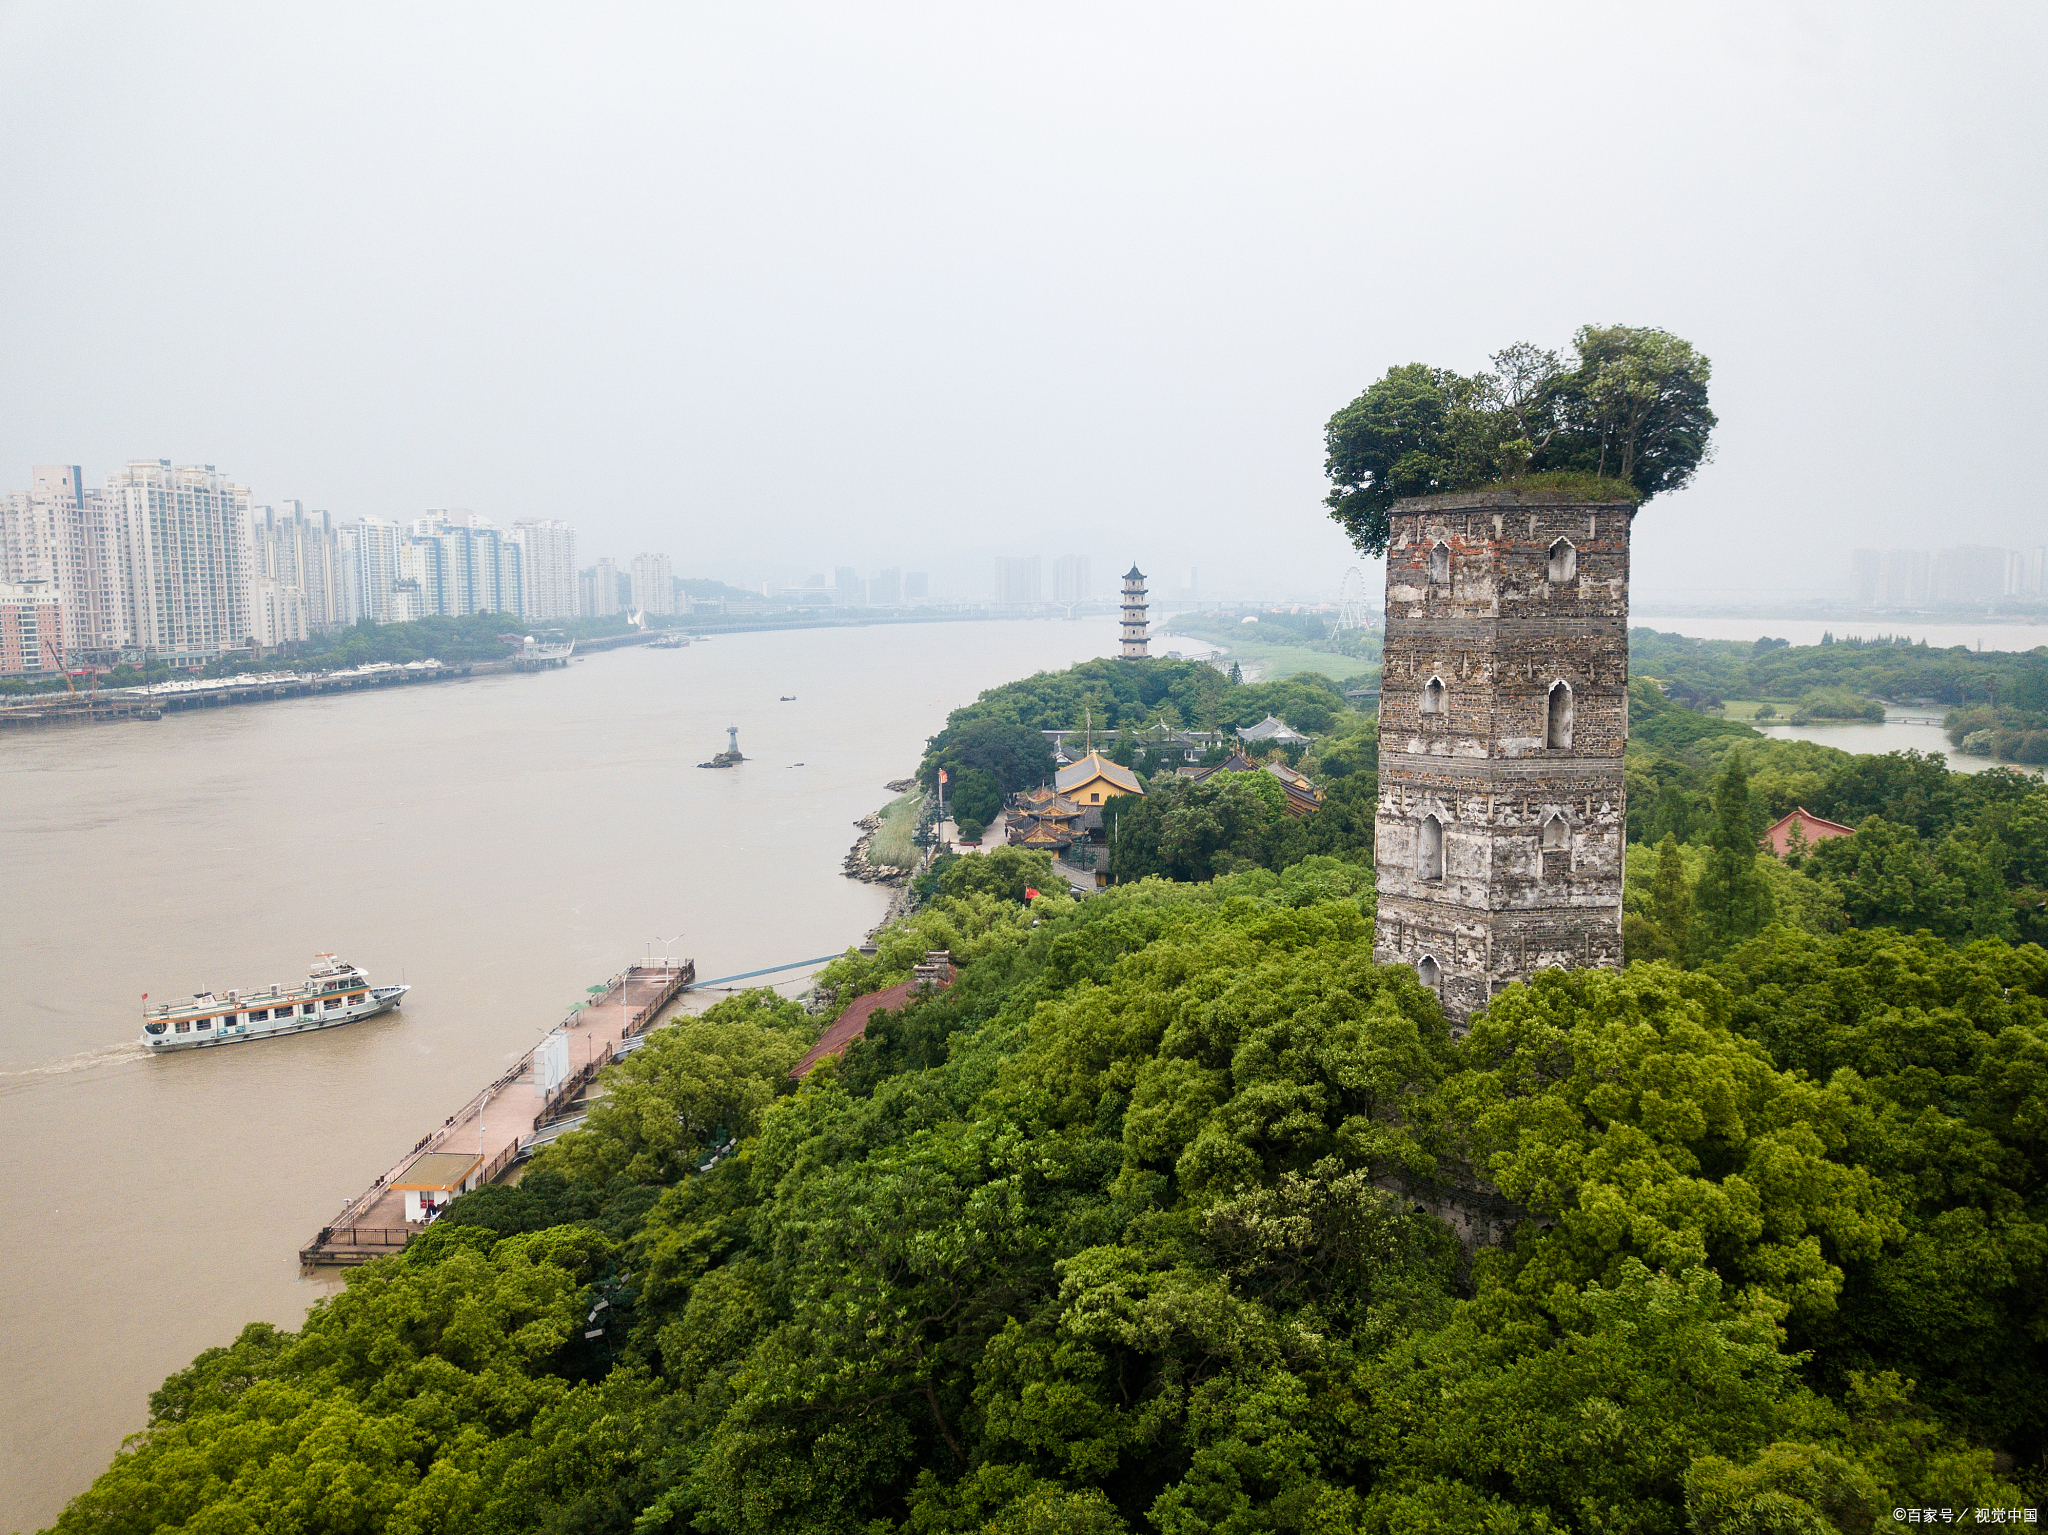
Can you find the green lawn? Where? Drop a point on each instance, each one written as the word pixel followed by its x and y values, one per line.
pixel 1278 661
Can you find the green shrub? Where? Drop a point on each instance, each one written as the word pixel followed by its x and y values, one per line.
pixel 1836 704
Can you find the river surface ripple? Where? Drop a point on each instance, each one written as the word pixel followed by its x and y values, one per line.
pixel 500 843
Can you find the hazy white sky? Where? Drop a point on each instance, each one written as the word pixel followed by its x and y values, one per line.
pixel 778 287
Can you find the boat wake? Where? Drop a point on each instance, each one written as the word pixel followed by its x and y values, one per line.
pixel 86 1060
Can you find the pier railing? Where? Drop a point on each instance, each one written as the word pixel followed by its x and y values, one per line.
pixel 343 1241
pixel 571 1087
pixel 680 975
pixel 497 1164
pixel 365 1236
pixel 348 1245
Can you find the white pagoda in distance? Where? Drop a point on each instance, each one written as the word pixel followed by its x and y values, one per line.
pixel 1135 641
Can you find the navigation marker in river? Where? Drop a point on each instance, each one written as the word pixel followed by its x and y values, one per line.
pixel 731 754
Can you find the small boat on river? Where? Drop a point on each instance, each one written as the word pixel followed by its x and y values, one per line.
pixel 335 993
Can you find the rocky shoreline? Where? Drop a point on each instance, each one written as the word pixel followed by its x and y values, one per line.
pixel 857 865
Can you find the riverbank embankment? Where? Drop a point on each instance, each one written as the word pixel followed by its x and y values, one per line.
pixel 153 703
pixel 886 852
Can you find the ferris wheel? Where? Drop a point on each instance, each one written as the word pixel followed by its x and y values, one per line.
pixel 1352 612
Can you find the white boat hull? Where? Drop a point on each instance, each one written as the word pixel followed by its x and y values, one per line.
pixel 381 999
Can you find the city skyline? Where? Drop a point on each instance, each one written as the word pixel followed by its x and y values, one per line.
pixel 181 563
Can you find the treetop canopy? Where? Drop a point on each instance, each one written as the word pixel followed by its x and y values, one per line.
pixel 1625 417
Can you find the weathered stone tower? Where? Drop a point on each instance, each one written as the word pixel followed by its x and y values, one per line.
pixel 1135 640
pixel 1503 716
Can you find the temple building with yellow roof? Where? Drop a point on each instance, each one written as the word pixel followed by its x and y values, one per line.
pixel 1095 780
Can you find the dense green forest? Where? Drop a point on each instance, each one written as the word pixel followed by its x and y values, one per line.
pixel 1130 1230
pixel 1962 855
pixel 999 733
pixel 1179 830
pixel 1151 1221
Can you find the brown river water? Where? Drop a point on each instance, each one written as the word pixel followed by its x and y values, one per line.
pixel 499 843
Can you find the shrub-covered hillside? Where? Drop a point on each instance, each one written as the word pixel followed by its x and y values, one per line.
pixel 1125 1232
pixel 999 732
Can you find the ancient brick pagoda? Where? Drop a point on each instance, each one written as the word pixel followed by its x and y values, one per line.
pixel 1503 717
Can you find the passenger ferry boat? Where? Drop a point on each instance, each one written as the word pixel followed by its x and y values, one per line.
pixel 335 993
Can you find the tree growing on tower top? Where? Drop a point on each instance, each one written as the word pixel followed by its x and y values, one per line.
pixel 1624 417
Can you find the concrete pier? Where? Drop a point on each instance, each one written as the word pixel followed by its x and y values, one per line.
pixel 479 1141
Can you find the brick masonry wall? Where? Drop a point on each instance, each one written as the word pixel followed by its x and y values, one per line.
pixel 1489 615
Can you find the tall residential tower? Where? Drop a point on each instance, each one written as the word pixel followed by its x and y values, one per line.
pixel 547 567
pixel 1503 718
pixel 59 533
pixel 186 558
pixel 654 588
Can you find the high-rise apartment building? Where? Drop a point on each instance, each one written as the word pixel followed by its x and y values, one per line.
pixel 1017 581
pixel 277 613
pixel 465 565
pixel 885 589
pixel 1866 566
pixel 654 588
pixel 1070 578
pixel 33 524
pixel 28 541
pixel 300 550
pixel 606 579
pixel 1972 573
pixel 32 637
pixel 547 558
pixel 1903 580
pixel 1969 574
pixel 373 572
pixel 185 555
pixel 917 585
pixel 846 581
pixel 58 532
